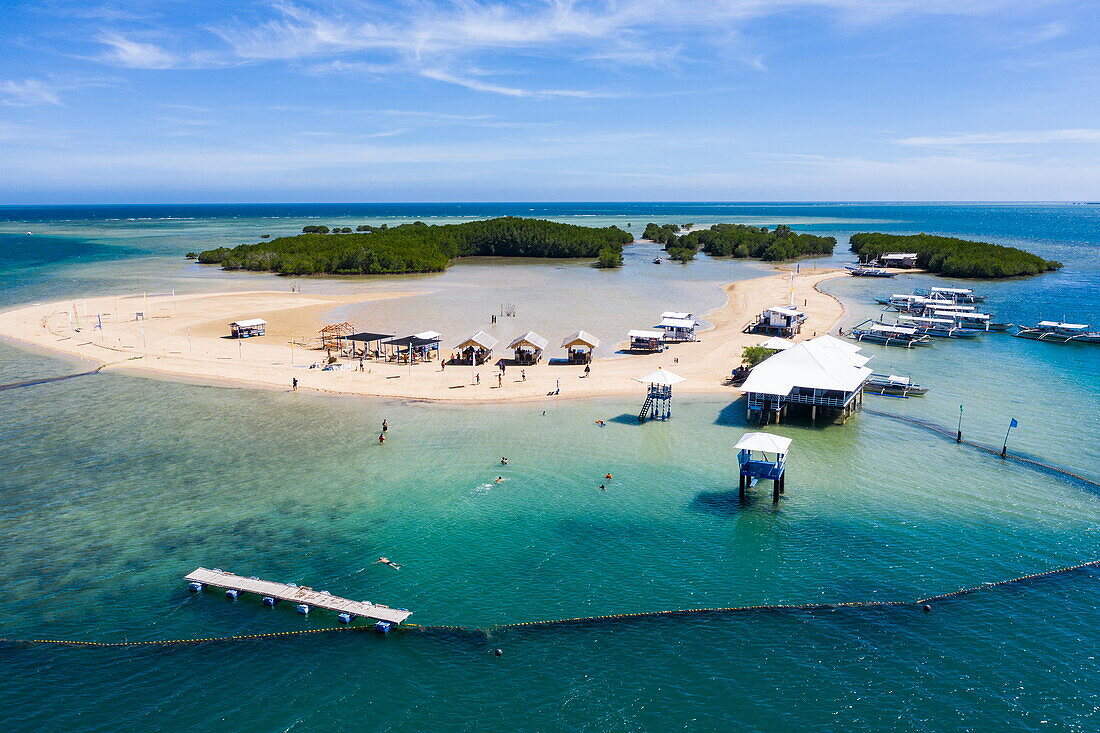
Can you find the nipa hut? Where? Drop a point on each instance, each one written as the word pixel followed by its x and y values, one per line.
pixel 528 348
pixel 476 350
pixel 579 347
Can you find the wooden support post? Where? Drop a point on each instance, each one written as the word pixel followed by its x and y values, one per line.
pixel 783 482
pixel 775 491
pixel 813 413
pixel 741 487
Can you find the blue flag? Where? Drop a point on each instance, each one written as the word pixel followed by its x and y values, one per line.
pixel 1014 424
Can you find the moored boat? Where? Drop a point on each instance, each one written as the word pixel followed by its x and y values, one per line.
pixel 975 321
pixel 893 385
pixel 1060 333
pixel 887 335
pixel 862 271
pixel 958 295
pixel 941 327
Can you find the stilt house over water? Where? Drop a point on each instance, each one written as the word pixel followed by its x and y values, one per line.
pixel 579 347
pixel 477 349
pixel 528 348
pixel 780 320
pixel 822 377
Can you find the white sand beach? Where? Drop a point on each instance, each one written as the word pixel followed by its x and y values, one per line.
pixel 186 337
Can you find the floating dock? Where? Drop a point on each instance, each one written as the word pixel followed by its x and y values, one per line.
pixel 301 595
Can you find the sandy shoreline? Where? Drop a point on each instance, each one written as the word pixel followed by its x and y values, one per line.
pixel 183 337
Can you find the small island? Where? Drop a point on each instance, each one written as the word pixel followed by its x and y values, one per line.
pixel 418 247
pixel 739 240
pixel 953 257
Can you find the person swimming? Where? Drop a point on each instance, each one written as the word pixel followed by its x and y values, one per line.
pixel 607 476
pixel 387 561
pixel 504 461
pixel 500 479
pixel 603 487
pixel 600 423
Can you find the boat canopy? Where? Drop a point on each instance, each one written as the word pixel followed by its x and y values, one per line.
pixel 922 319
pixel 891 379
pixel 1064 326
pixel 661 376
pixel 953 291
pixel 884 328
pixel 941 306
pixel 963 314
pixel 764 442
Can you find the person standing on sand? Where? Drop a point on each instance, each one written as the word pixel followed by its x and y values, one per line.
pixel 557 386
pixel 294 384
pixel 500 380
pixel 587 369
pixel 477 378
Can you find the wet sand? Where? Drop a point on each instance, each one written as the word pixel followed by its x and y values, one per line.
pixel 185 337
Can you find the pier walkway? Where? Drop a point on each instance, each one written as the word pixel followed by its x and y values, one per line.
pixel 297 594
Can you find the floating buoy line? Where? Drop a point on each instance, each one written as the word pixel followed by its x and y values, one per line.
pixel 922 603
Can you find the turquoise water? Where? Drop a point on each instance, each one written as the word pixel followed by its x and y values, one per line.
pixel 115 486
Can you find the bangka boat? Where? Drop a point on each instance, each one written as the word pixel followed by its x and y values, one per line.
pixel 891 384
pixel 656 260
pixel 942 327
pixel 1060 333
pixel 861 271
pixel 976 321
pixel 888 335
pixel 958 295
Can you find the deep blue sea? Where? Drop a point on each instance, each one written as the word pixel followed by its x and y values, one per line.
pixel 113 487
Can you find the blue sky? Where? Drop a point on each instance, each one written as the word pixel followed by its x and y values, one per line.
pixel 599 100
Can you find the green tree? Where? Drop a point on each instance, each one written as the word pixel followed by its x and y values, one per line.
pixel 753 355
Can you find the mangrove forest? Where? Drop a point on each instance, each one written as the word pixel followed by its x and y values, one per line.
pixel 418 247
pixel 740 240
pixel 951 256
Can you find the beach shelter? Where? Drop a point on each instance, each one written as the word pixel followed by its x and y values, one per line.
pixel 477 349
pixel 646 340
pixel 248 327
pixel 755 464
pixel 580 346
pixel 678 329
pixel 658 401
pixel 367 338
pixel 528 348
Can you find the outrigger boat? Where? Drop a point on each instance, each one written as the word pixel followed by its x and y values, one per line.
pixel 893 385
pixel 1060 333
pixel 887 335
pixel 942 327
pixel 975 321
pixel 957 295
pixel 863 271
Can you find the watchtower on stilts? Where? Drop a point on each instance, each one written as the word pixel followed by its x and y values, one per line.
pixel 755 464
pixel 658 401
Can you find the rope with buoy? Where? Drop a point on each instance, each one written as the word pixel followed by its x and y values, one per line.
pixel 810 607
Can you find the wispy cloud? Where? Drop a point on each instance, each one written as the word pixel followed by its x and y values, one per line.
pixel 483 86
pixel 1024 137
pixel 28 93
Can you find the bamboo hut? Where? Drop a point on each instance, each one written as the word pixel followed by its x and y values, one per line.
pixel 476 350
pixel 528 348
pixel 579 347
pixel 332 335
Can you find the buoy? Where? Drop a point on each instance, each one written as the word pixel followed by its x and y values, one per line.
pixel 195 587
pixel 303 608
pixel 232 594
pixel 927 608
pixel 345 618
pixel 269 601
pixel 383 627
pixel 498 652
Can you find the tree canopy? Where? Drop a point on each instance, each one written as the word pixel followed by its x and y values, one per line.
pixel 951 256
pixel 417 247
pixel 740 240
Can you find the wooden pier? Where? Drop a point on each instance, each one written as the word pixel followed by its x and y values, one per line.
pixel 297 594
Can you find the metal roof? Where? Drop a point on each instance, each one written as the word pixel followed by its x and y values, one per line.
pixel 763 442
pixel 661 376
pixel 581 337
pixel 368 336
pixel 676 323
pixel 645 334
pixel 531 339
pixel 481 339
pixel 821 363
pixel 249 322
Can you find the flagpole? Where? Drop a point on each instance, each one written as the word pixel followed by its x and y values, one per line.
pixel 1004 447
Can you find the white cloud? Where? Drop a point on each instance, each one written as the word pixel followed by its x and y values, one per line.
pixel 122 51
pixel 28 93
pixel 1025 137
pixel 481 86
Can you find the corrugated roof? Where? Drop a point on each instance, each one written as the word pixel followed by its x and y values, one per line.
pixel 821 363
pixel 580 337
pixel 645 334
pixel 661 376
pixel 764 442
pixel 481 339
pixel 248 322
pixel 676 323
pixel 530 338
